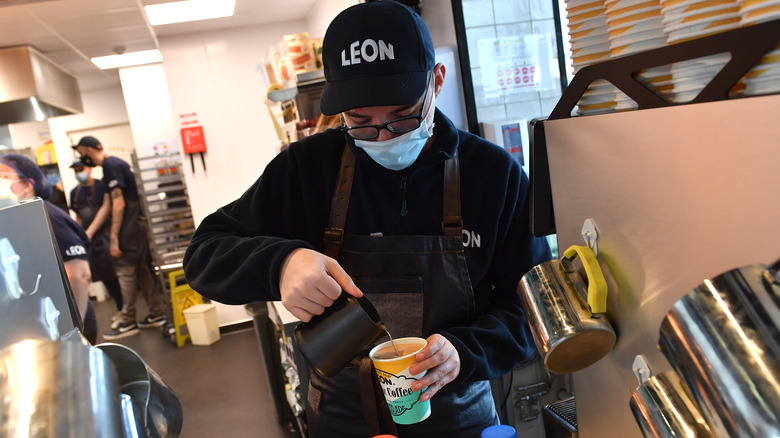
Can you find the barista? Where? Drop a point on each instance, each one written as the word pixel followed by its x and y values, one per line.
pixel 380 207
pixel 27 180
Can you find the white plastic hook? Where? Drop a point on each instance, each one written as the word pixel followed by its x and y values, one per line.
pixel 591 235
pixel 9 269
pixel 641 369
pixel 50 318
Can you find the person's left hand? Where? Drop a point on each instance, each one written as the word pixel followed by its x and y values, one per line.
pixel 442 361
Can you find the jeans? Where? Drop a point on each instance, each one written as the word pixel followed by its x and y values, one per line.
pixel 130 279
pixel 138 275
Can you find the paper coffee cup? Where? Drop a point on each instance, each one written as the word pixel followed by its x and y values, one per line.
pixel 396 380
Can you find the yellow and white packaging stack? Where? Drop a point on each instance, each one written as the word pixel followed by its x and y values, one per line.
pixel 299 49
pixel 636 26
pixel 590 45
pixel 765 76
pixel 685 20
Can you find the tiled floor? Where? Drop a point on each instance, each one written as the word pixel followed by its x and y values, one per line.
pixel 222 387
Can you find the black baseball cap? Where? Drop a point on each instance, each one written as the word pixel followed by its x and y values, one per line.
pixel 77 161
pixel 375 54
pixel 29 170
pixel 88 141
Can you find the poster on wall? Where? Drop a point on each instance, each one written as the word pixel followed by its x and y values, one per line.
pixel 513 64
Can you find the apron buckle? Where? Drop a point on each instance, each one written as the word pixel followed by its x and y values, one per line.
pixel 334 235
pixel 452 225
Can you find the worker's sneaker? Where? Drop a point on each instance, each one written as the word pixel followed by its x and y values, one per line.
pixel 123 330
pixel 116 320
pixel 152 321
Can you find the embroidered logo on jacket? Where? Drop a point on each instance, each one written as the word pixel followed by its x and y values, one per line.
pixel 471 239
pixel 369 50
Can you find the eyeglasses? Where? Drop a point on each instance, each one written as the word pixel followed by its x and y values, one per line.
pixel 398 126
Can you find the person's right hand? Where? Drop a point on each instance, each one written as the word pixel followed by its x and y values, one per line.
pixel 311 281
pixel 113 248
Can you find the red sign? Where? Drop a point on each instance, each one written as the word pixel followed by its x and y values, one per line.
pixel 193 140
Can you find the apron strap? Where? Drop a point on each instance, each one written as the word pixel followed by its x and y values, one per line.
pixel 334 234
pixel 452 224
pixel 373 399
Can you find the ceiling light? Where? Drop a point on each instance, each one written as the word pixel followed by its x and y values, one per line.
pixel 128 59
pixel 189 10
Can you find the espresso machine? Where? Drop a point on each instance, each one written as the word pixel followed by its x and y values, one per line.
pixel 52 382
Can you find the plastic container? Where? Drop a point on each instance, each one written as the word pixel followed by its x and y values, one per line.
pixel 499 431
pixel 202 324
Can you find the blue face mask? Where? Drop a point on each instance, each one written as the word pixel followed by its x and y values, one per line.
pixel 400 152
pixel 82 177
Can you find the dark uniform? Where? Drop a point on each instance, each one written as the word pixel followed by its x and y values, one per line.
pixel 73 244
pixel 86 200
pixel 133 268
pixel 437 240
pixel 421 280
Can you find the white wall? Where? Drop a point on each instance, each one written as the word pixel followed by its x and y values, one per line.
pixel 104 107
pixel 148 106
pixel 437 15
pixel 29 134
pixel 322 13
pixel 214 75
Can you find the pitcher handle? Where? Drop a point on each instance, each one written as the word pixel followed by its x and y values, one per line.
pixel 597 284
pixel 771 278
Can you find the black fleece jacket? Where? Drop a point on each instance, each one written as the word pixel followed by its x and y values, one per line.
pixel 237 252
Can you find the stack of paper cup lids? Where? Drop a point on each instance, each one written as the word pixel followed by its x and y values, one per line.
pixel 685 20
pixel 765 76
pixel 636 26
pixel 589 45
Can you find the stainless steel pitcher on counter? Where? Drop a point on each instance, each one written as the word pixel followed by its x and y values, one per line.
pixel 68 389
pixel 567 315
pixel 723 339
pixel 58 389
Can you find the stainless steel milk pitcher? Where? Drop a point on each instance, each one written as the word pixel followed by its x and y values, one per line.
pixel 662 407
pixel 566 315
pixel 723 339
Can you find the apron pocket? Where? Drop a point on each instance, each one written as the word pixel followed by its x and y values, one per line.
pixel 399 301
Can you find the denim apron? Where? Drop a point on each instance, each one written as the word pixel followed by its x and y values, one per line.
pixel 419 285
pixel 100 263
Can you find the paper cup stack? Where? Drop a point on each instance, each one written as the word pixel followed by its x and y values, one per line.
pixel 636 26
pixel 685 20
pixel 765 76
pixel 589 45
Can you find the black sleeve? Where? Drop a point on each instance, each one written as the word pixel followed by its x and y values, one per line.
pixel 72 199
pixel 236 253
pixel 71 239
pixel 117 174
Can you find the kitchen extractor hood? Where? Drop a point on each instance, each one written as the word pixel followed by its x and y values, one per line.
pixel 33 88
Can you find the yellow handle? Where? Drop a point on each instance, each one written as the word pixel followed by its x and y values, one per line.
pixel 597 284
